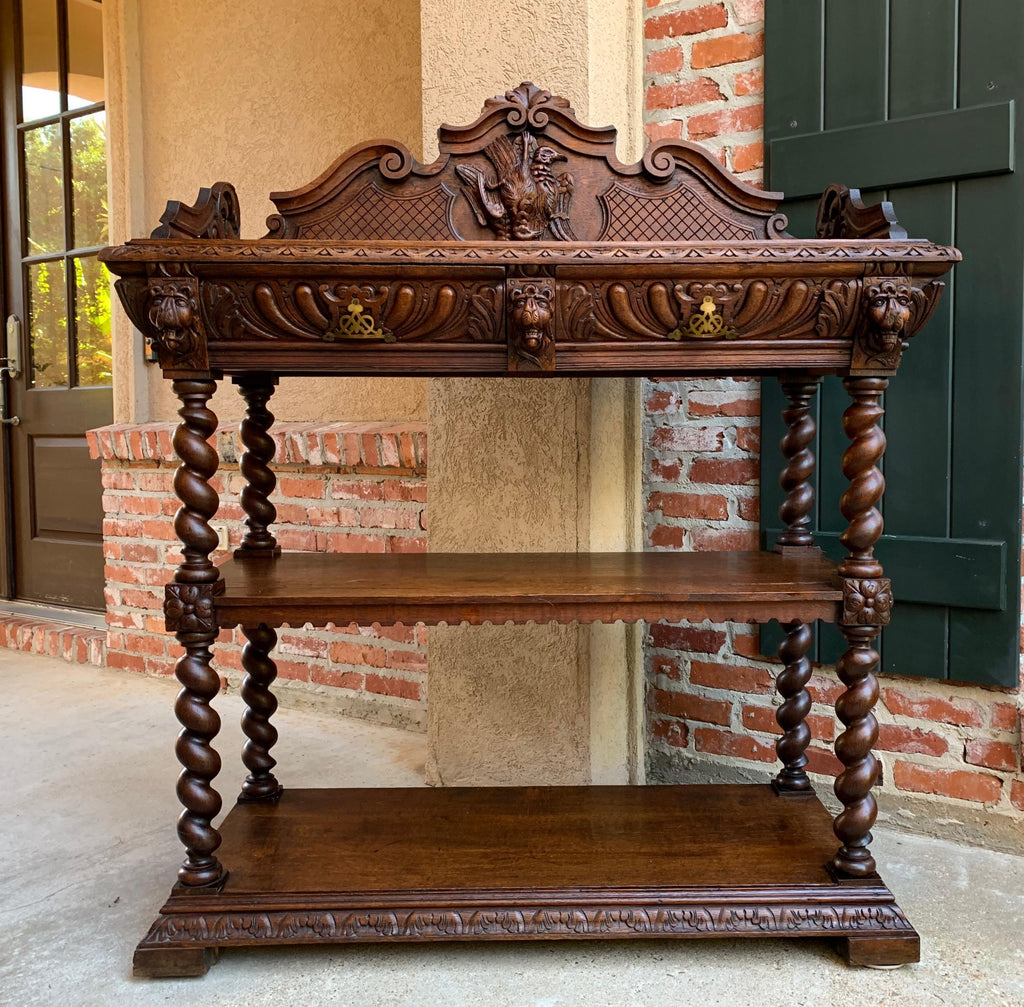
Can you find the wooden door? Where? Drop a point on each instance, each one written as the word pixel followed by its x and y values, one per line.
pixel 916 101
pixel 58 294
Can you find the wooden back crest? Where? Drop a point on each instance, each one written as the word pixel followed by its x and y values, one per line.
pixel 526 170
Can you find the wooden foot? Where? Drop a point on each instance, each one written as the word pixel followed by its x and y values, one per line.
pixel 887 951
pixel 172 963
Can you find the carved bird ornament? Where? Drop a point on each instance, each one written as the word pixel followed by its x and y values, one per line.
pixel 523 198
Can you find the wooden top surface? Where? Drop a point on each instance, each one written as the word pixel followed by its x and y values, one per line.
pixel 663 838
pixel 521 587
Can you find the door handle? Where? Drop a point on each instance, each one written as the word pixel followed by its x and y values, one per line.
pixel 11 367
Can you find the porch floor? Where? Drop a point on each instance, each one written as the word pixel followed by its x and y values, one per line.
pixel 90 852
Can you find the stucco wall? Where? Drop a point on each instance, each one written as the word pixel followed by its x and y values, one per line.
pixel 514 462
pixel 264 94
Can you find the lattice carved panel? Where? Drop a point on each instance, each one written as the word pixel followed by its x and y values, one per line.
pixel 679 215
pixel 376 215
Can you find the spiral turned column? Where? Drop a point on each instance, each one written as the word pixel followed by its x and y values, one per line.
pixel 867 601
pixel 867 484
pixel 792 713
pixel 260 480
pixel 190 612
pixel 795 479
pixel 260 784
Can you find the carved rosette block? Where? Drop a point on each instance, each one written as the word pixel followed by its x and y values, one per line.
pixel 792 713
pixel 260 479
pixel 867 601
pixel 261 735
pixel 174 317
pixel 531 344
pixel 795 479
pixel 190 608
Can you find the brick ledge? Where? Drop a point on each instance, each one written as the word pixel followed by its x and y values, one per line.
pixel 389 448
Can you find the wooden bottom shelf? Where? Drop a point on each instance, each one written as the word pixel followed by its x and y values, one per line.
pixel 514 863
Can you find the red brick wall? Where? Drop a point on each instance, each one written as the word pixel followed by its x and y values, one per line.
pixel 710 698
pixel 343 487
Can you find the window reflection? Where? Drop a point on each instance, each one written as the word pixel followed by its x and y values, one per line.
pixel 40 74
pixel 65 185
pixel 48 324
pixel 85 53
pixel 44 189
pixel 92 322
pixel 89 179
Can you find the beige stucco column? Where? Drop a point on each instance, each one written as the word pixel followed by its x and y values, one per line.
pixel 533 465
pixel 264 95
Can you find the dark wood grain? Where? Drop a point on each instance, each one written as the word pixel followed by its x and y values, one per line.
pixel 341 866
pixel 477 838
pixel 670 266
pixel 522 587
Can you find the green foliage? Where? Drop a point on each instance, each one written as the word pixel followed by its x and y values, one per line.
pixel 48 310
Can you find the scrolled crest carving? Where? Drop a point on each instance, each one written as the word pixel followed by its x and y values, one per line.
pixel 190 608
pixel 527 105
pixel 843 215
pixel 214 214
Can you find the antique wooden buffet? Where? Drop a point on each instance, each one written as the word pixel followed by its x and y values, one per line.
pixel 526 249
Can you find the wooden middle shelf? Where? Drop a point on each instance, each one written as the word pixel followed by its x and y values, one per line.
pixel 522 587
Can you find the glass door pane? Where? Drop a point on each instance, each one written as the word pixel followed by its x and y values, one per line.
pixel 92 322
pixel 89 179
pixel 85 53
pixel 40 65
pixel 48 324
pixel 44 189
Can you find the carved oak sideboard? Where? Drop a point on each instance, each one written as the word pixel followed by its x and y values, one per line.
pixel 526 249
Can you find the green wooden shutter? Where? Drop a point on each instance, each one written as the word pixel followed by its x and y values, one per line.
pixel 915 101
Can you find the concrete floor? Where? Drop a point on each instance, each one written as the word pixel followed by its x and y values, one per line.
pixel 89 853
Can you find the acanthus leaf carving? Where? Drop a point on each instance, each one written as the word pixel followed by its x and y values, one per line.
pixel 339 925
pixel 339 311
pixel 641 310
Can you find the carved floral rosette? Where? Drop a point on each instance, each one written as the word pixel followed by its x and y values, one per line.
pixel 867 601
pixel 190 608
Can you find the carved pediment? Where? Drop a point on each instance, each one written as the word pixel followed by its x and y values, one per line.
pixel 526 170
